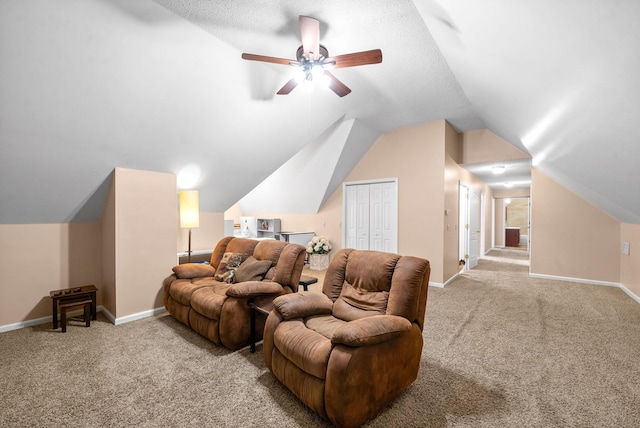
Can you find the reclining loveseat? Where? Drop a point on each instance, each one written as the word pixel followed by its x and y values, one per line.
pixel 213 299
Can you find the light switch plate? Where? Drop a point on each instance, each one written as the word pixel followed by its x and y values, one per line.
pixel 626 248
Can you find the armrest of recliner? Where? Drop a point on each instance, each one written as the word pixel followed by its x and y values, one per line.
pixel 193 270
pixel 371 330
pixel 300 305
pixel 249 289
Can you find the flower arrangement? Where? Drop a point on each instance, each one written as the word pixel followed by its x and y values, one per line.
pixel 319 245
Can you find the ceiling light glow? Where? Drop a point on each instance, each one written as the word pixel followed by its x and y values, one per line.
pixel 317 71
pixel 499 169
pixel 188 176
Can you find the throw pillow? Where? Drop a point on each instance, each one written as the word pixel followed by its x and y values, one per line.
pixel 252 270
pixel 229 263
pixel 193 270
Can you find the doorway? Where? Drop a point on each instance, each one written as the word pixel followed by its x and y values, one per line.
pixel 469 225
pixel 517 220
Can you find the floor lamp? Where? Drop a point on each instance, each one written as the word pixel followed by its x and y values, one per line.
pixel 189 213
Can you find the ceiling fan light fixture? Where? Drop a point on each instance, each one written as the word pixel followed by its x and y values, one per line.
pixel 299 75
pixel 313 60
pixel 307 85
pixel 317 71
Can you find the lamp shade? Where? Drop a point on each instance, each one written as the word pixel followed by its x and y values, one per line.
pixel 189 208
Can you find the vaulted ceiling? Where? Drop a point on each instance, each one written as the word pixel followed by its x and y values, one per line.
pixel 160 85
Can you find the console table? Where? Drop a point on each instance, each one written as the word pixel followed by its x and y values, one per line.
pixel 73 295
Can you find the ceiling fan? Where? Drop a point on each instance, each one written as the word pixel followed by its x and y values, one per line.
pixel 313 60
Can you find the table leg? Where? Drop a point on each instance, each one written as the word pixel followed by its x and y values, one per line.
pixel 55 314
pixel 252 334
pixel 93 305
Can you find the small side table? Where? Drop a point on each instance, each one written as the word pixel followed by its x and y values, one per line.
pixel 257 307
pixel 73 295
pixel 306 281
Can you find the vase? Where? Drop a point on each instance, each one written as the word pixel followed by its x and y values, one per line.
pixel 318 261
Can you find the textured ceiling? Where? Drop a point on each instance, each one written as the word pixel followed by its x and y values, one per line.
pixel 92 85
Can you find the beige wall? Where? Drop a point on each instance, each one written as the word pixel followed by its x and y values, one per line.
pixel 126 255
pixel 569 236
pixel 146 216
pixel 630 264
pixel 203 237
pixel 108 245
pixel 416 156
pixel 38 258
pixel 483 145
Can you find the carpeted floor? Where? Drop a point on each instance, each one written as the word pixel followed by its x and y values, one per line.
pixel 501 350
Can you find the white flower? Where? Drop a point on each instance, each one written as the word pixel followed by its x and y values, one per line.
pixel 319 245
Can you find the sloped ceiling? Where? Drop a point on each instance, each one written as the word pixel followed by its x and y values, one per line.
pixel 89 86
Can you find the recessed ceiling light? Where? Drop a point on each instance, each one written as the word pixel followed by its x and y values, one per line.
pixel 500 169
pixel 508 184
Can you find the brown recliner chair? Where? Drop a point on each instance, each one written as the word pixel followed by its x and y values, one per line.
pixel 205 299
pixel 349 351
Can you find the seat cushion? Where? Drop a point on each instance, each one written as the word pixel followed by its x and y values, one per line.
pixel 182 289
pixel 307 349
pixel 208 301
pixel 324 324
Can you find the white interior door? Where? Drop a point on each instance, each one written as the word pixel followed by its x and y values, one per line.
pixel 376 215
pixel 362 218
pixel 350 210
pixel 371 216
pixel 463 224
pixel 474 228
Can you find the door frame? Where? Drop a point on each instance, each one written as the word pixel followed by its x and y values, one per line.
pixel 394 224
pixel 504 218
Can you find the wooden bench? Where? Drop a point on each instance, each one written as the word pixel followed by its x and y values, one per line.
pixel 70 297
pixel 86 304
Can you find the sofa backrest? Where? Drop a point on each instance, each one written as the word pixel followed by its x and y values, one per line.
pixel 231 244
pixel 365 283
pixel 286 262
pixel 286 259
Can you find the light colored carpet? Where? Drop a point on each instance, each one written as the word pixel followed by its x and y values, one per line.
pixel 501 350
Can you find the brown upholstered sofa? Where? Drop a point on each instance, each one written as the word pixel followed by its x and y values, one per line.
pixel 349 351
pixel 213 299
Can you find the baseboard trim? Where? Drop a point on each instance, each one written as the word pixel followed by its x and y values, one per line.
pixel 588 281
pixel 78 312
pixel 28 323
pixel 571 279
pixel 43 320
pixel 630 293
pixel 107 314
pixel 447 282
pixel 138 316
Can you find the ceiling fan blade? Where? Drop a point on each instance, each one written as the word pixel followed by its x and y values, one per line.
pixel 252 57
pixel 358 58
pixel 310 35
pixel 337 86
pixel 288 87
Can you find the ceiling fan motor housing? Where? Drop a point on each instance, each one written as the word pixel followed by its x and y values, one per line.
pixel 324 53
